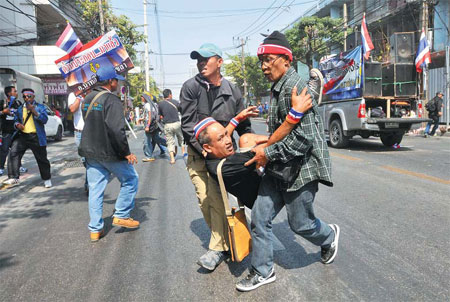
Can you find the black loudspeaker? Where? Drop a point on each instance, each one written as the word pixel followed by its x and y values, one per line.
pixel 351 42
pixel 402 48
pixel 399 80
pixel 372 79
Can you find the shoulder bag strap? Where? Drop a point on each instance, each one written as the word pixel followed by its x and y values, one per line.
pixel 224 192
pixel 172 105
pixel 93 101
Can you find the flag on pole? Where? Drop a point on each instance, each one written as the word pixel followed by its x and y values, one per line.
pixel 69 41
pixel 365 38
pixel 423 56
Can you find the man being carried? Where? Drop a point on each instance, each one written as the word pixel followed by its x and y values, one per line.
pixel 169 109
pixel 240 180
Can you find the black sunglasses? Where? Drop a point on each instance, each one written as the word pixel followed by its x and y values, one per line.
pixel 25 96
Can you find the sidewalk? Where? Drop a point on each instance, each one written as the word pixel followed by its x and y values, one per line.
pixel 61 155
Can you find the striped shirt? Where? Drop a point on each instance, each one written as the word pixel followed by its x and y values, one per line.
pixel 306 140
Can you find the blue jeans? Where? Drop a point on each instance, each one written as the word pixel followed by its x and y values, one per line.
pixel 98 173
pixel 434 122
pixel 150 142
pixel 301 218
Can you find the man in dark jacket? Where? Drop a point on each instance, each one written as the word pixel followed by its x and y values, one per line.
pixel 104 145
pixel 8 108
pixel 435 115
pixel 208 94
pixel 29 121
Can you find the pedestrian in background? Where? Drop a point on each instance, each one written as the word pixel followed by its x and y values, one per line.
pixel 169 110
pixel 150 119
pixel 29 122
pixel 209 94
pixel 434 107
pixel 104 144
pixel 75 103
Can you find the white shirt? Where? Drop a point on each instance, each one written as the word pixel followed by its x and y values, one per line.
pixel 78 121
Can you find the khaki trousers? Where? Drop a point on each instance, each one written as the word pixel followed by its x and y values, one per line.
pixel 210 201
pixel 172 130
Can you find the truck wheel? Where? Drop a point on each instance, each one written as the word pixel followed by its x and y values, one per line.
pixel 391 138
pixel 337 137
pixel 59 134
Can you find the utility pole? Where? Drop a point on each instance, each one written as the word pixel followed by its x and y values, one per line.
pixel 100 11
pixel 344 8
pixel 426 85
pixel 243 69
pixel 447 68
pixel 147 64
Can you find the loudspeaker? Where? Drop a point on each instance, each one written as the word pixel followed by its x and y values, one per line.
pixel 372 79
pixel 399 80
pixel 351 43
pixel 402 48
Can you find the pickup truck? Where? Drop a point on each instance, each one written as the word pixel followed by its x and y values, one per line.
pixel 368 99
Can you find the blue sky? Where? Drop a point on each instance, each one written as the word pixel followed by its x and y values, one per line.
pixel 185 25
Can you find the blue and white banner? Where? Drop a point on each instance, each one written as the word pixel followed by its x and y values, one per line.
pixel 343 75
pixel 80 70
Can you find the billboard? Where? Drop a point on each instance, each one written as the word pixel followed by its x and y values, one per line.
pixel 80 70
pixel 343 75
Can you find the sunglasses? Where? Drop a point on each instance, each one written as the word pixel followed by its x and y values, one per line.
pixel 25 96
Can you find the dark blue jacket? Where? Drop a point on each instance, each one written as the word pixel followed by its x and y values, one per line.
pixel 39 121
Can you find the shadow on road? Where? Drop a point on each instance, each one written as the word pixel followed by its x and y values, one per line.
pixel 372 145
pixel 6 260
pixel 294 255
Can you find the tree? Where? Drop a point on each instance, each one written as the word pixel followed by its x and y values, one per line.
pixel 137 86
pixel 125 28
pixel 257 85
pixel 312 37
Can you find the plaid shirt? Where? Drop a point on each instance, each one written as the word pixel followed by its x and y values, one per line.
pixel 307 139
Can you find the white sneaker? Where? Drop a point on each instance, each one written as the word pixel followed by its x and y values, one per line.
pixel 48 183
pixel 2 171
pixel 11 181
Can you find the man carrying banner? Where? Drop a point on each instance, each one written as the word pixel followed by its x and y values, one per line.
pixel 104 145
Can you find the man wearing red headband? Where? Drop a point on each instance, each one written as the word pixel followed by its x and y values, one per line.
pixel 305 149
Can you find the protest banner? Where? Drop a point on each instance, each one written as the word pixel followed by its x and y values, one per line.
pixel 79 70
pixel 343 75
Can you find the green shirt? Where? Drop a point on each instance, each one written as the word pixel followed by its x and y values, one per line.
pixel 306 140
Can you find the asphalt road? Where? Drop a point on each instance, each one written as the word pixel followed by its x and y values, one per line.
pixel 392 206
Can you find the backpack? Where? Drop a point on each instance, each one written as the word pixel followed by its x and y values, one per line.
pixel 431 105
pixel 155 123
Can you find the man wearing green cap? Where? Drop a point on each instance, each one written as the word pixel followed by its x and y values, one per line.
pixel 208 94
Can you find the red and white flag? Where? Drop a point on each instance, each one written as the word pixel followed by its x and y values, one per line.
pixel 423 56
pixel 365 38
pixel 69 41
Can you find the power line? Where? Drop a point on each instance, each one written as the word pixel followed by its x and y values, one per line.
pixel 260 16
pixel 268 21
pixel 25 14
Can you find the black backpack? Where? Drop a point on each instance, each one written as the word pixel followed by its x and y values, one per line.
pixel 431 105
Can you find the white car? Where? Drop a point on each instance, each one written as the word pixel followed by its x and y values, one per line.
pixel 54 127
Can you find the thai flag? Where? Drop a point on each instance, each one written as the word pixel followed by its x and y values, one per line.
pixel 69 41
pixel 365 38
pixel 423 56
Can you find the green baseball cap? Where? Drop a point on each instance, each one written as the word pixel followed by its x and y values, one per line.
pixel 207 50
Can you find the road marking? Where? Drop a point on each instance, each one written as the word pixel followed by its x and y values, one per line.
pixel 419 175
pixel 347 157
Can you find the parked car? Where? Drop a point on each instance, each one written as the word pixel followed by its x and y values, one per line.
pixel 54 127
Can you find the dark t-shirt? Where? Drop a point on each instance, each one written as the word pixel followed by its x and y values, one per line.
pixel 241 181
pixel 169 112
pixel 7 121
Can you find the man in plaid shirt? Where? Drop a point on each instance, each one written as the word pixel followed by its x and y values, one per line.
pixel 306 142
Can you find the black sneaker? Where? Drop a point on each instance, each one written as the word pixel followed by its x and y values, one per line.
pixel 327 255
pixel 315 84
pixel 211 259
pixel 255 280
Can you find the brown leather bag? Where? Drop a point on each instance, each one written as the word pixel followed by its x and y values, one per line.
pixel 238 233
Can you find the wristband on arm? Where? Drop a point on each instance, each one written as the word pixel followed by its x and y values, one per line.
pixel 294 116
pixel 234 122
